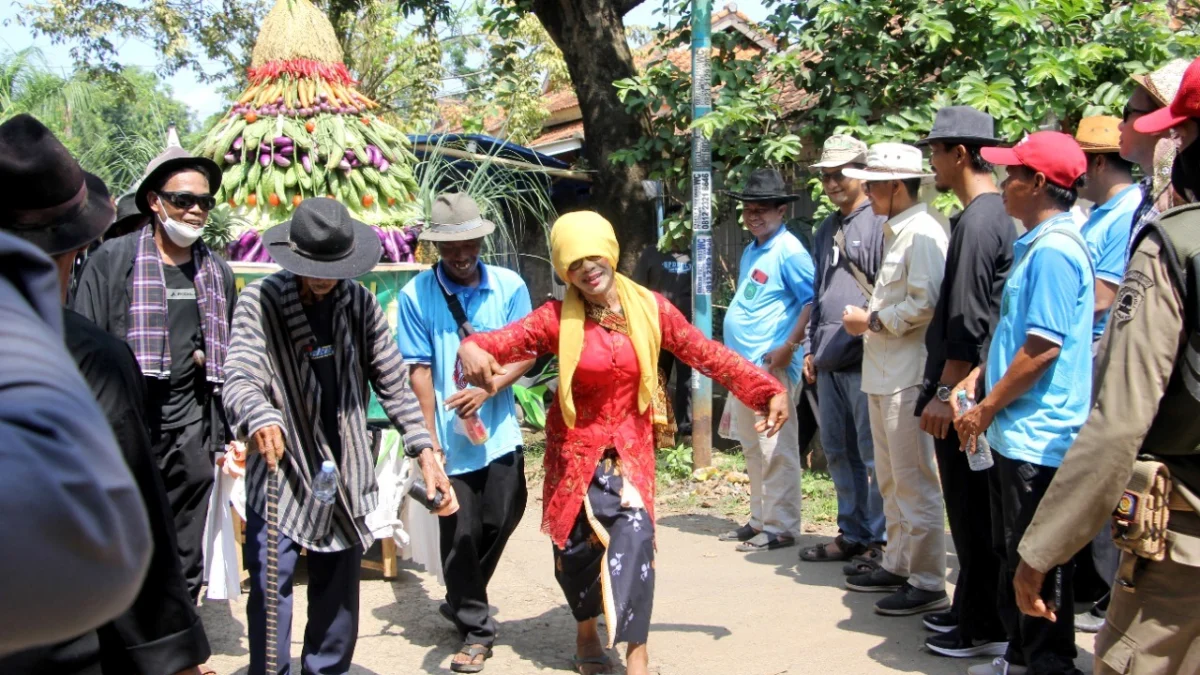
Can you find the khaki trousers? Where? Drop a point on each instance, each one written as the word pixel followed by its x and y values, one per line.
pixel 773 465
pixel 911 490
pixel 1155 628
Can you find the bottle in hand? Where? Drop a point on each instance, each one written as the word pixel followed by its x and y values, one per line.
pixel 981 459
pixel 472 427
pixel 325 483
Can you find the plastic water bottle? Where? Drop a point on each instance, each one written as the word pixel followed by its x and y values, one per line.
pixel 472 427
pixel 325 484
pixel 981 459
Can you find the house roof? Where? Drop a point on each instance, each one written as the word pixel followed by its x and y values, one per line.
pixel 561 132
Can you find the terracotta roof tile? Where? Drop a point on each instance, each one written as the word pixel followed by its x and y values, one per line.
pixel 559 133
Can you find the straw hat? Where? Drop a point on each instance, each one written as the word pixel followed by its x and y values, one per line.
pixel 1099 134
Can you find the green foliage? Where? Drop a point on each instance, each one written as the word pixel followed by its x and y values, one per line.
pixel 1029 63
pixel 744 126
pixel 675 463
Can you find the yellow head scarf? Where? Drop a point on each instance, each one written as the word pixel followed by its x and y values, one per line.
pixel 584 234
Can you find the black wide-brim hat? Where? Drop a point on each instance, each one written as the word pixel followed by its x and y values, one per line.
pixel 962 125
pixel 764 185
pixel 45 197
pixel 174 159
pixel 128 217
pixel 322 241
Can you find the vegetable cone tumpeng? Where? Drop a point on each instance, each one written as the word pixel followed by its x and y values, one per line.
pixel 301 129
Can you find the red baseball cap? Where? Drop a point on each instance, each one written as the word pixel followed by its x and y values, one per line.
pixel 1051 153
pixel 1185 106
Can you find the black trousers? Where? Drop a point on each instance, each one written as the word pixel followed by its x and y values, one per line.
pixel 968 507
pixel 1047 648
pixel 491 502
pixel 331 631
pixel 807 425
pixel 683 387
pixel 186 465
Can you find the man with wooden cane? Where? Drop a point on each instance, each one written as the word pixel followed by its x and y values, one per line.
pixel 306 342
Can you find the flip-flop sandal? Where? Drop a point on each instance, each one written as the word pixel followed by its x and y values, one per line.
pixel 820 552
pixel 773 542
pixel 472 652
pixel 743 533
pixel 578 662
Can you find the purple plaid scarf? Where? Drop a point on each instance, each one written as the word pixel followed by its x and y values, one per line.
pixel 148 311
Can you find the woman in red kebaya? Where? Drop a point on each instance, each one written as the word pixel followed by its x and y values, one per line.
pixel 599 489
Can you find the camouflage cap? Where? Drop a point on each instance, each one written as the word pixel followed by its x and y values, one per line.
pixel 840 150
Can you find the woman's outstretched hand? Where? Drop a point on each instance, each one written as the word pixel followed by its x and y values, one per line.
pixel 777 414
pixel 479 367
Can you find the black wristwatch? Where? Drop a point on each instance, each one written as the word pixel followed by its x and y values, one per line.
pixel 943 393
pixel 874 324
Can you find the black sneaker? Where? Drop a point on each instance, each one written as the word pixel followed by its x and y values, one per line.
pixel 956 645
pixel 941 622
pixel 878 580
pixel 910 600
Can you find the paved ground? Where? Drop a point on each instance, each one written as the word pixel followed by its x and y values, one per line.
pixel 716 612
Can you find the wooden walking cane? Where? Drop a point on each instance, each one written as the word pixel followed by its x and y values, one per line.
pixel 272 594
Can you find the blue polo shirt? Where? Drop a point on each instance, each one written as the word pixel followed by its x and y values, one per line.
pixel 1050 293
pixel 1107 234
pixel 775 282
pixel 427 334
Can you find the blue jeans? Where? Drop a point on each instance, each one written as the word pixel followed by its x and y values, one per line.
pixel 850 452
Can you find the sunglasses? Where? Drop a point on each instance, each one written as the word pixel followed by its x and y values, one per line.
pixel 836 176
pixel 186 200
pixel 1130 111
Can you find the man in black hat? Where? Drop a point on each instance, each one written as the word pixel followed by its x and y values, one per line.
pixel 163 291
pixel 765 324
pixel 978 259
pixel 161 632
pixel 306 343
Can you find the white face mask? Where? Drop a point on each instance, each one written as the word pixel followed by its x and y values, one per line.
pixel 181 234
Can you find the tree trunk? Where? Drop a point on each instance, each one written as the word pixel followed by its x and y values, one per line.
pixel 591 36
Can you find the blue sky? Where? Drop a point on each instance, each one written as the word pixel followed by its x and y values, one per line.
pixel 203 99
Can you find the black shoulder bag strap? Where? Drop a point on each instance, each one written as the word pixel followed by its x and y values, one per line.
pixel 456 310
pixel 839 240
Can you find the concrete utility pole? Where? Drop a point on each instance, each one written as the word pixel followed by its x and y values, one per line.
pixel 702 242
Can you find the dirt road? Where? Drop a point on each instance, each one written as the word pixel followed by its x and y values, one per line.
pixel 717 612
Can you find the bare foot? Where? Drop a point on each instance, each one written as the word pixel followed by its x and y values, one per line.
pixel 589 646
pixel 637 660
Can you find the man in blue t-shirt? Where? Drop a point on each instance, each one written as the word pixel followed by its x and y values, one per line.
pixel 1038 376
pixel 1109 185
pixel 488 476
pixel 765 323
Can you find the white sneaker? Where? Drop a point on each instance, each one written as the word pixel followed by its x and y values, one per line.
pixel 998 666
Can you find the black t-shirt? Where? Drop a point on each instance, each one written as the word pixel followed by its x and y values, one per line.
pixel 978 260
pixel 184 388
pixel 323 360
pixel 669 274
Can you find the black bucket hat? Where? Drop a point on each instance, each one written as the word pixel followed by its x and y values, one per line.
pixel 322 241
pixel 171 160
pixel 128 217
pixel 764 185
pixel 45 197
pixel 962 125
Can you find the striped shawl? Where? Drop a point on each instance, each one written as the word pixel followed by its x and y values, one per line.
pixel 269 382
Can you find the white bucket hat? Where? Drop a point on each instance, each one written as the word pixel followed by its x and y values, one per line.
pixel 891 161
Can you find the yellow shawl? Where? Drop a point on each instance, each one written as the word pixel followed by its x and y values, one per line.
pixel 584 234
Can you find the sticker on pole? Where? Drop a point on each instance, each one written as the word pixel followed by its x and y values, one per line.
pixel 701 202
pixel 703 262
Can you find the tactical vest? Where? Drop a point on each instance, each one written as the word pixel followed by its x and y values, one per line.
pixel 1174 437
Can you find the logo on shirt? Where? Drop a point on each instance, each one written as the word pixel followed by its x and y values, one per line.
pixel 759 278
pixel 1130 296
pixel 181 293
pixel 322 352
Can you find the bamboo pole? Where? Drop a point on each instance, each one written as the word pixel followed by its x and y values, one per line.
pixel 516 164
